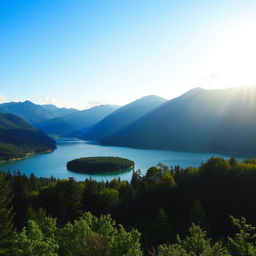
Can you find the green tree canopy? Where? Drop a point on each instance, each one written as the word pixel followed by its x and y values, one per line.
pixel 6 216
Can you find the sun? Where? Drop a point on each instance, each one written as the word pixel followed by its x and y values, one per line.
pixel 234 56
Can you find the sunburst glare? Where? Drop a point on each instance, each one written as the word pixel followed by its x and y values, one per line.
pixel 234 58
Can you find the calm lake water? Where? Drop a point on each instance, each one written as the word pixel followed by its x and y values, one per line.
pixel 54 164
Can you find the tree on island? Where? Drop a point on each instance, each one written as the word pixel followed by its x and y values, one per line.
pixel 99 164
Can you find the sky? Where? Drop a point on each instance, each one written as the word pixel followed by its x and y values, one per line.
pixel 82 53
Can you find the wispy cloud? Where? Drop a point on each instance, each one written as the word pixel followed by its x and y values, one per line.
pixel 95 103
pixel 54 101
pixel 70 104
pixel 2 98
pixel 49 100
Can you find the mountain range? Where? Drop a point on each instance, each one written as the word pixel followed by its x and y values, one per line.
pixel 123 117
pixel 219 120
pixel 18 138
pixel 76 123
pixel 34 113
pixel 200 120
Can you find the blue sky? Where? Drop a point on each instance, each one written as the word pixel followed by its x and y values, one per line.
pixel 81 53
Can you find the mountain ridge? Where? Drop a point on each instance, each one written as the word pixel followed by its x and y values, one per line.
pixel 18 138
pixel 203 120
pixel 72 124
pixel 123 116
pixel 32 112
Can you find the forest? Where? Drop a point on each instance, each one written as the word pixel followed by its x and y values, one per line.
pixel 209 210
pixel 19 139
pixel 99 164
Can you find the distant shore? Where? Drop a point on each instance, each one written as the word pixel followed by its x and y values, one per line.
pixel 27 155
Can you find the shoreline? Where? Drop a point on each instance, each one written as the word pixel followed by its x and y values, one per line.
pixel 105 172
pixel 27 155
pixel 174 149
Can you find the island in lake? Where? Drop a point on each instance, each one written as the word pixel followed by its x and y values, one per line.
pixel 100 164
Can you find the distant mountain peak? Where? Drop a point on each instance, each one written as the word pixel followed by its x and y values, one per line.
pixel 32 112
pixel 190 93
pixel 124 116
pixel 28 101
pixel 74 122
pixel 194 90
pixel 151 97
pixel 220 120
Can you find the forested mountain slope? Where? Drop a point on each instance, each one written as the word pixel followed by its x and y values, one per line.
pixel 18 138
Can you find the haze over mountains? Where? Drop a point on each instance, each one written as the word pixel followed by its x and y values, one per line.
pixel 76 123
pixel 199 120
pixel 123 117
pixel 34 113
pixel 203 120
pixel 18 138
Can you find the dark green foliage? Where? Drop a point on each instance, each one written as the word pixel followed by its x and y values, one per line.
pixel 36 239
pixel 9 151
pixel 62 200
pixel 160 204
pixel 250 161
pixel 99 164
pixel 92 236
pixel 6 216
pixel 160 229
pixel 20 200
pixel 23 188
pixel 86 236
pixel 233 162
pixel 18 138
pixel 244 242
pixel 196 244
pixel 10 121
pixel 198 216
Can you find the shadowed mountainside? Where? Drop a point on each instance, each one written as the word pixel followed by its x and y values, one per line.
pixel 34 113
pixel 76 123
pixel 204 120
pixel 123 117
pixel 18 138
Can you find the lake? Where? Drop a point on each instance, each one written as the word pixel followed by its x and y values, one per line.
pixel 54 164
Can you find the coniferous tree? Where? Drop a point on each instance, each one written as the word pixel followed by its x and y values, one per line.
pixel 6 216
pixel 198 216
pixel 160 228
pixel 20 200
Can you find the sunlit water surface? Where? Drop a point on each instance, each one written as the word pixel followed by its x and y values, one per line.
pixel 54 164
